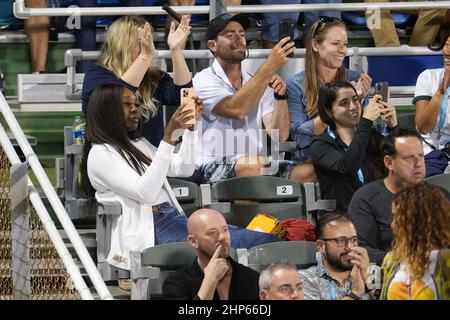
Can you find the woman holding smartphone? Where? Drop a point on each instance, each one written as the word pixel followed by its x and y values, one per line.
pixel 326 47
pixel 343 156
pixel 125 168
pixel 127 58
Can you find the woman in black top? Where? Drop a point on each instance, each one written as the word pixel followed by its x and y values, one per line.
pixel 341 155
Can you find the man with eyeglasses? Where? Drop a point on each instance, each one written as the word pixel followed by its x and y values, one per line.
pixel 280 281
pixel 371 206
pixel 342 266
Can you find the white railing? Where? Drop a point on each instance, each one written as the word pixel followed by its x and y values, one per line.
pixel 55 202
pixel 339 7
pixel 73 55
pixel 21 12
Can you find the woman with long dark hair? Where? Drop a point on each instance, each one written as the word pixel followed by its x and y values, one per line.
pixel 124 168
pixel 326 48
pixel 342 156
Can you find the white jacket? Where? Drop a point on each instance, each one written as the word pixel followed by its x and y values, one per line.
pixel 116 182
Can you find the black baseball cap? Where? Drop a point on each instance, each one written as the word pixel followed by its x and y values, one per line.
pixel 219 23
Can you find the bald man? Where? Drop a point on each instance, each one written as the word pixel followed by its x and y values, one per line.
pixel 214 275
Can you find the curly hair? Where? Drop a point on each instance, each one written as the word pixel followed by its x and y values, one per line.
pixel 421 223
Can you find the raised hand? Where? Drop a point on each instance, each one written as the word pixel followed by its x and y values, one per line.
pixel 363 85
pixel 360 258
pixel 372 110
pixel 217 267
pixel 358 285
pixel 279 55
pixel 278 85
pixel 388 114
pixel 146 41
pixel 178 35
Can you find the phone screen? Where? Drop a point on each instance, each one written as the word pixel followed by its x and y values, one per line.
pixel 286 29
pixel 186 95
pixel 382 88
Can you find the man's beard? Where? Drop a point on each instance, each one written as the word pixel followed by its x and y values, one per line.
pixel 337 263
pixel 233 57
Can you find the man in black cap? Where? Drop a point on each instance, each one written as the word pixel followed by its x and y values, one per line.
pixel 239 108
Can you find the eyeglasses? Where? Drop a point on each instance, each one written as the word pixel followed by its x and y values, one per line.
pixel 323 20
pixel 288 290
pixel 343 241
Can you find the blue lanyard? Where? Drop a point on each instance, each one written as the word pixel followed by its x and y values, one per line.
pixel 360 173
pixel 443 112
pixel 332 289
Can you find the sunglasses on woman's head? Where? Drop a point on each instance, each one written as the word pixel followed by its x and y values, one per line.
pixel 323 20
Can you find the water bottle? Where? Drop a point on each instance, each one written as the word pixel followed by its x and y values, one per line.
pixel 78 130
pixel 384 129
pixel 2 82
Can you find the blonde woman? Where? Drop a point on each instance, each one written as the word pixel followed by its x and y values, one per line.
pixel 126 59
pixel 326 47
pixel 418 266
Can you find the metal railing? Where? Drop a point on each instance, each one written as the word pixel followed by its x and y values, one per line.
pixel 339 7
pixel 216 7
pixel 73 55
pixel 58 208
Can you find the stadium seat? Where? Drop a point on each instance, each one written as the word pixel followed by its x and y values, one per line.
pixel 440 180
pixel 151 267
pixel 407 121
pixel 248 196
pixel 314 203
pixel 187 194
pixel 105 214
pixel 300 253
pixel 359 19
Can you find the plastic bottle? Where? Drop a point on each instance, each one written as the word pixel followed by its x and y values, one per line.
pixel 384 128
pixel 2 82
pixel 78 130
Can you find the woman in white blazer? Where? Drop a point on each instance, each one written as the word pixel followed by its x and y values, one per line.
pixel 123 167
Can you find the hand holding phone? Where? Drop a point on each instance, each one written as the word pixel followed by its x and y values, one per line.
pixel 286 29
pixel 171 13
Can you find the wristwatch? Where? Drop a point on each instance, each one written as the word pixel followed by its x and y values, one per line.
pixel 279 97
pixel 353 295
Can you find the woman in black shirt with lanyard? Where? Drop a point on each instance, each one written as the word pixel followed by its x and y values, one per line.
pixel 342 156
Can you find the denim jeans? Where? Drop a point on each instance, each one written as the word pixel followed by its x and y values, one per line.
pixel 170 226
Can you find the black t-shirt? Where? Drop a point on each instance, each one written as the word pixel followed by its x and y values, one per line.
pixel 371 212
pixel 185 283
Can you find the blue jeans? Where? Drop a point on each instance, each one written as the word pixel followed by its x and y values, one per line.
pixel 170 226
pixel 271 20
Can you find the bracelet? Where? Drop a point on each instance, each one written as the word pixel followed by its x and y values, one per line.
pixel 352 295
pixel 278 97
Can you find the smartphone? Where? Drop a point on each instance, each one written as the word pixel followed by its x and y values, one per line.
pixel 382 88
pixel 186 96
pixel 171 13
pixel 286 29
